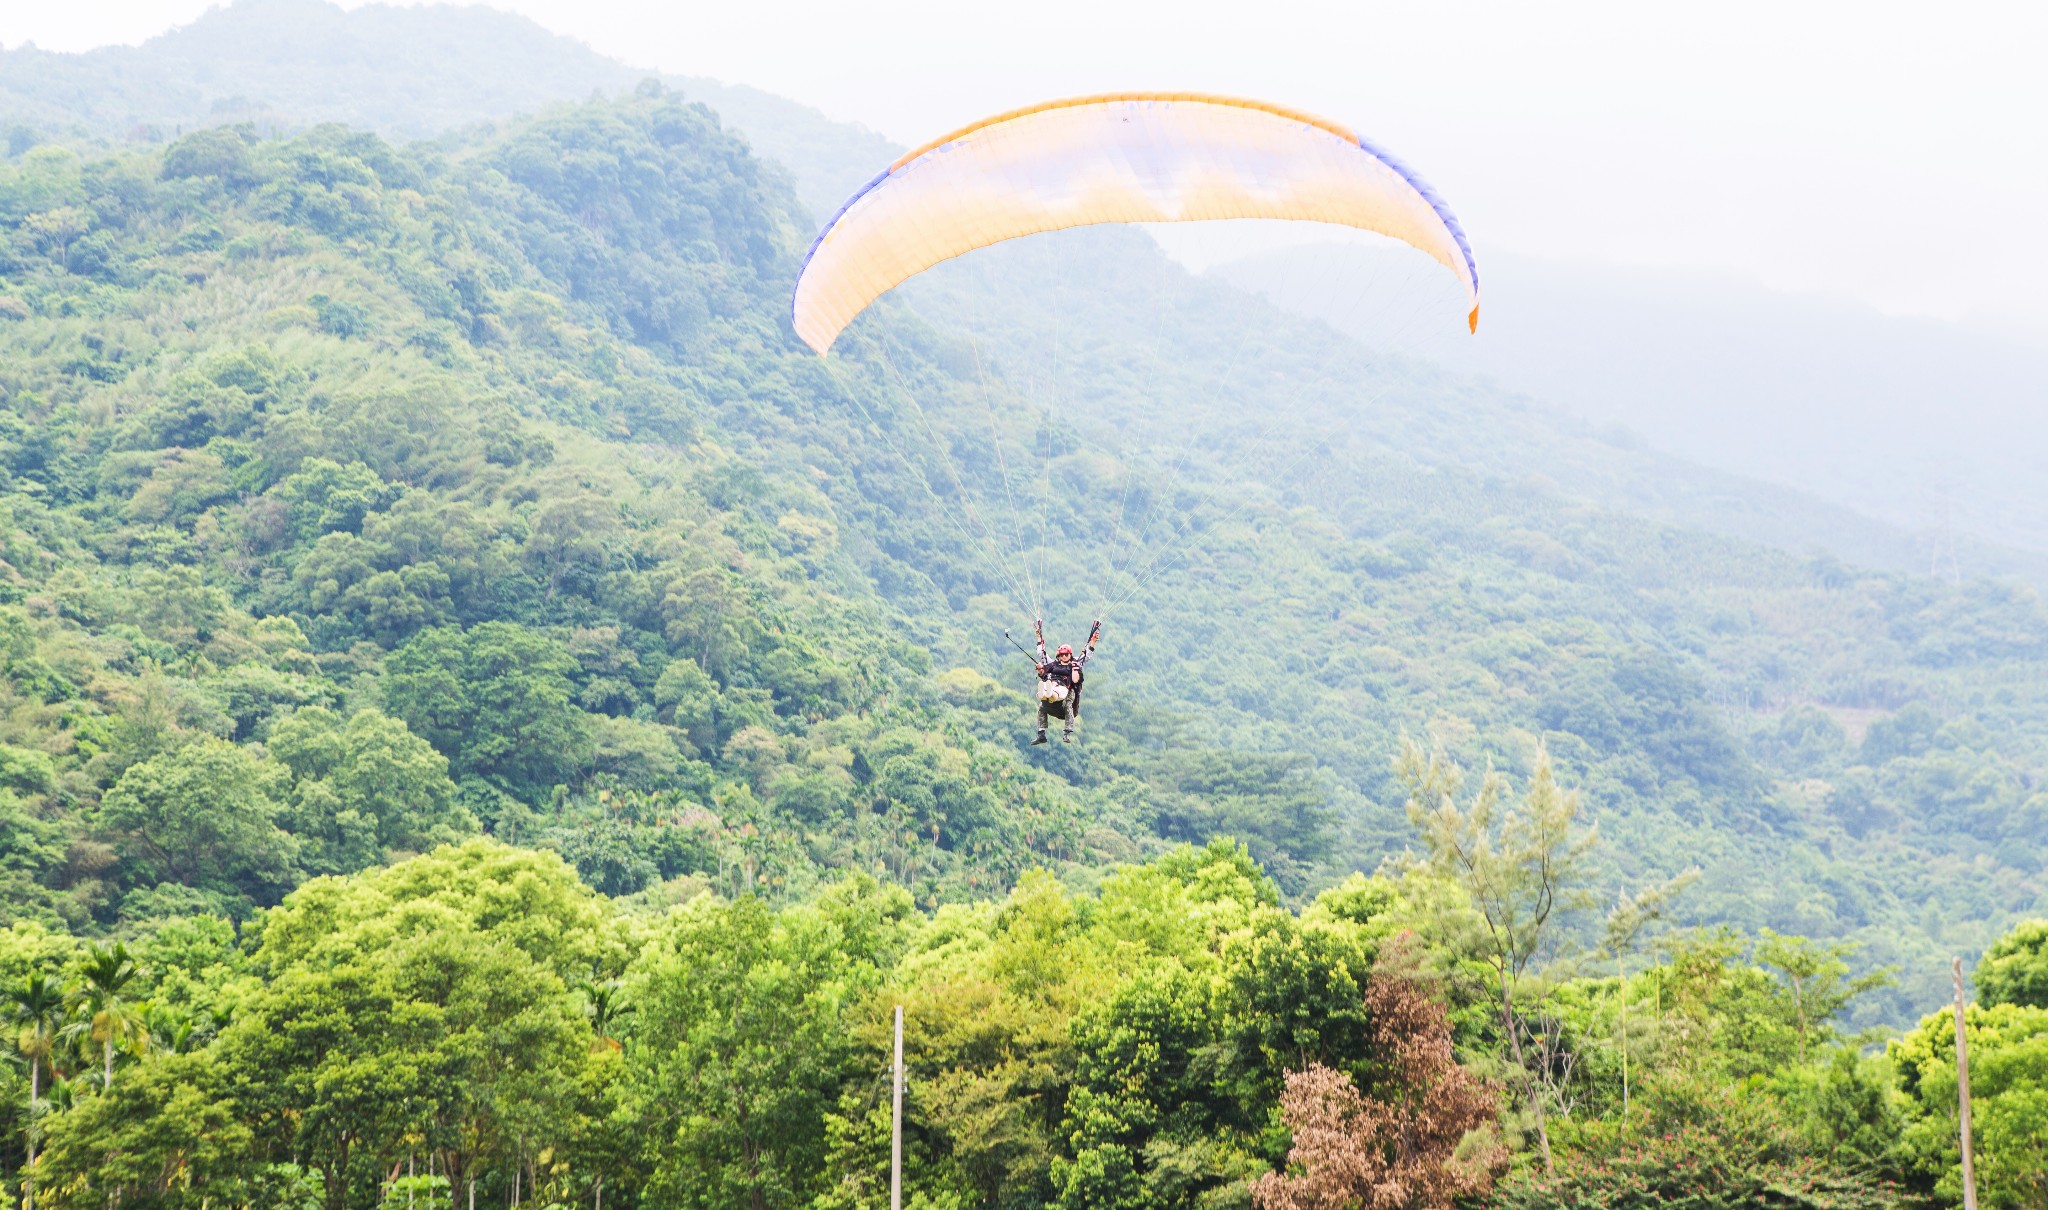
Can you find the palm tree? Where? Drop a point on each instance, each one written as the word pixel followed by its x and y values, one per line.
pixel 107 1017
pixel 36 1009
pixel 172 1029
pixel 606 1007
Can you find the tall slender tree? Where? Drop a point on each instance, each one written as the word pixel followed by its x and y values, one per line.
pixel 1518 866
pixel 107 1016
pixel 36 1008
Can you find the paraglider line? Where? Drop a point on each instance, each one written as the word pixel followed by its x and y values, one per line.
pixel 995 437
pixel 931 432
pixel 1179 549
pixel 833 367
pixel 1177 468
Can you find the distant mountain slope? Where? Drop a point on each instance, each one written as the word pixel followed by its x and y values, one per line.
pixel 1931 427
pixel 1118 287
pixel 410 72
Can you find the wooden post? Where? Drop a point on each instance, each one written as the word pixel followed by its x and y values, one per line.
pixel 1623 970
pixel 1963 1095
pixel 896 1119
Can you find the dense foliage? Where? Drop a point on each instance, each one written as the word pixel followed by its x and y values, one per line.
pixel 478 1021
pixel 300 582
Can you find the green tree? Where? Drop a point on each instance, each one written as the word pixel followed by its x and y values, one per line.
pixel 609 1011
pixel 1518 870
pixel 219 151
pixel 2015 969
pixel 1146 1123
pixel 364 786
pixel 1817 981
pixel 497 700
pixel 741 1045
pixel 989 993
pixel 108 1018
pixel 1848 1108
pixel 2008 1103
pixel 164 1137
pixel 426 1007
pixel 37 1009
pixel 205 815
pixel 1179 1068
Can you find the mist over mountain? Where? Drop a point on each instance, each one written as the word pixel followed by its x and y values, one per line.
pixel 1932 427
pixel 407 72
pixel 1024 297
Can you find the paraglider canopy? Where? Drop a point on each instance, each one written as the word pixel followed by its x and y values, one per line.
pixel 1140 157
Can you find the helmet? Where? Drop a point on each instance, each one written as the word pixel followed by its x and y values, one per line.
pixel 1064 650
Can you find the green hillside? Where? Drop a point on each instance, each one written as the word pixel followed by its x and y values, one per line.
pixel 461 520
pixel 367 448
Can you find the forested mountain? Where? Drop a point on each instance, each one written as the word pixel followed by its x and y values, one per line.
pixel 1837 747
pixel 1344 627
pixel 461 520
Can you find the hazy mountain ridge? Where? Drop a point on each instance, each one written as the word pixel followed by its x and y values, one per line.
pixel 1019 297
pixel 407 72
pixel 1937 429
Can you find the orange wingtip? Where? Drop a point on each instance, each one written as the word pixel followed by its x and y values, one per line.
pixel 1472 321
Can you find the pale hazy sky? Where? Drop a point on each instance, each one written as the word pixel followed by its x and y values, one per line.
pixel 1890 153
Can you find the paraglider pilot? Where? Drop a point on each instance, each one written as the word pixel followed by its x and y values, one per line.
pixel 1059 681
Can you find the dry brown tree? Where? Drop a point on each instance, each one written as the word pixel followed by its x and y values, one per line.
pixel 1423 1138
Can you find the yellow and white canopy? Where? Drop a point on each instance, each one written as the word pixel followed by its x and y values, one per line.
pixel 1113 158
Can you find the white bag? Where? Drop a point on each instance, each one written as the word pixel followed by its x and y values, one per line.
pixel 1052 691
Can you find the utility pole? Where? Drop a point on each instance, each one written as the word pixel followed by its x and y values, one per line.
pixel 1963 1095
pixel 896 1117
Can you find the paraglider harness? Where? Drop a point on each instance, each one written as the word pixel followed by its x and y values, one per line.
pixel 1059 689
pixel 1059 686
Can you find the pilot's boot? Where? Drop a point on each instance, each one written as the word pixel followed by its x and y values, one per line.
pixel 1040 739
